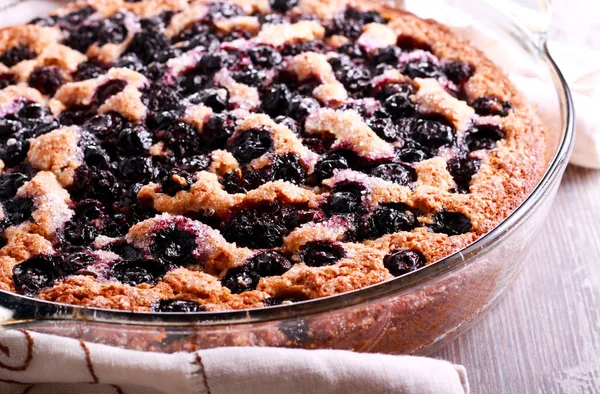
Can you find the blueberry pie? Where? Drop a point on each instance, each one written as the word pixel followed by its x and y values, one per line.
pixel 175 156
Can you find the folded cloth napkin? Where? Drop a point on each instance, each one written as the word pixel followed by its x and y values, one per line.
pixel 66 365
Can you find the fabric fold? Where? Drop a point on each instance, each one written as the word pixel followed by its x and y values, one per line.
pixel 50 364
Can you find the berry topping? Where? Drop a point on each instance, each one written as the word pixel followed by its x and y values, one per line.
pixel 7 79
pixel 397 173
pixel 269 263
pixel 486 106
pixel 176 181
pixel 250 144
pixel 282 6
pixel 321 253
pixel 18 210
pixel 223 10
pixel 240 279
pixel 346 197
pixel 16 55
pixel 431 133
pixel 255 228
pixel 276 99
pixel 34 274
pixel 389 219
pixel 177 306
pixel 329 164
pixel 10 183
pixel 264 56
pixel 399 105
pixel 300 107
pixel 483 137
pixel 108 90
pixel 150 46
pixel 174 246
pixel 462 170
pixel 458 72
pixel 288 168
pixel 403 261
pixel 136 272
pixel 423 67
pixel 46 79
pixel 451 223
pixel 134 140
pixel 384 128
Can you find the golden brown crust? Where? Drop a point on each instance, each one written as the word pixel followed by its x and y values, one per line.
pixel 507 174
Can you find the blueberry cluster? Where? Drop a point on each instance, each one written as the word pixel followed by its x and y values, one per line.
pixel 117 163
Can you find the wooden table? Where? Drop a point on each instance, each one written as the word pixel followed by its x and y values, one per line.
pixel 544 335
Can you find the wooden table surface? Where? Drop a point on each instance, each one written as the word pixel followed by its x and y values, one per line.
pixel 544 335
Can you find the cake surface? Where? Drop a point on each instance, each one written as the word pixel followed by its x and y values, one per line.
pixel 165 155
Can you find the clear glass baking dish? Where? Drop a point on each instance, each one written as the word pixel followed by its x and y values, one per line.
pixel 415 314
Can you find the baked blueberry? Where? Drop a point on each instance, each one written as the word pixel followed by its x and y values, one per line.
pixel 134 140
pixel 269 263
pixel 16 54
pixel 174 246
pixel 394 172
pixel 250 144
pixel 150 46
pixel 451 223
pixel 240 279
pixel 329 164
pixel 7 79
pixel 75 260
pixel 217 130
pixel 213 98
pixel 177 306
pixel 389 219
pixel 18 210
pixel 458 72
pixel 109 89
pixel 385 128
pixel 276 99
pixel 346 197
pixel 432 133
pixel 462 170
pixel 282 6
pixel 136 169
pixel 300 107
pixel 264 56
pixel 483 137
pixel 255 228
pixel 423 67
pixel 223 10
pixel 490 105
pixel 46 79
pixel 321 253
pixel 288 168
pixel 175 181
pixel 34 274
pixel 10 183
pixel 399 105
pixel 140 271
pixel 403 261
pixel 387 55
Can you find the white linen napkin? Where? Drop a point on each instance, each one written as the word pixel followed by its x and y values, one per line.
pixel 40 363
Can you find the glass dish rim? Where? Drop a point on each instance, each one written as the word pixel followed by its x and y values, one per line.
pixel 27 309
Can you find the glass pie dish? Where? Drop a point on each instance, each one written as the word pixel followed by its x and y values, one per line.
pixel 415 313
